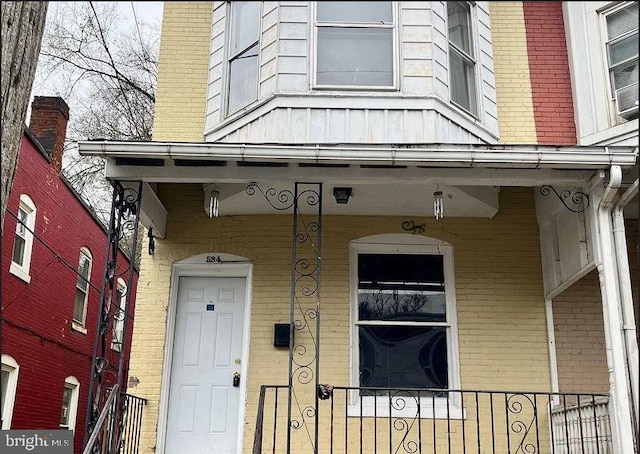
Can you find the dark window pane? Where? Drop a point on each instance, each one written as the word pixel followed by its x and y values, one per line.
pixel 18 250
pixel 78 307
pixel 243 79
pixel 405 305
pixel 355 56
pixel 368 12
pixel 403 357
pixel 401 271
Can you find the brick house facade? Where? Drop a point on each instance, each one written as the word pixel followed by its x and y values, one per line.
pixel 49 315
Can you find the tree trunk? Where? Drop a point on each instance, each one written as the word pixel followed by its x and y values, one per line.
pixel 22 27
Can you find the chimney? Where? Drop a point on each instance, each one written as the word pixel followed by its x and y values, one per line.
pixel 49 116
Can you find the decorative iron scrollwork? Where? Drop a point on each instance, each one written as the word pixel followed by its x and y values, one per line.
pixel 520 423
pixel 281 201
pixel 579 199
pixel 412 227
pixel 123 227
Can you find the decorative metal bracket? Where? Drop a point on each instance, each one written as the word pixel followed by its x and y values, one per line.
pixel 577 198
pixel 280 201
pixel 411 226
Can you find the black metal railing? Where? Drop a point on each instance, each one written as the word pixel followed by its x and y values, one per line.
pixel 118 426
pixel 131 423
pixel 416 421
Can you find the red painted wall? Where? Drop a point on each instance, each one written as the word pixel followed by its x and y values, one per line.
pixel 36 317
pixel 549 72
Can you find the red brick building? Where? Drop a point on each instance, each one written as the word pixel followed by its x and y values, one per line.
pixel 49 312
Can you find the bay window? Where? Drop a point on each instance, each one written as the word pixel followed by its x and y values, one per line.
pixel 244 48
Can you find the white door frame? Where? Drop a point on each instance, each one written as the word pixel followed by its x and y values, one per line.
pixel 204 265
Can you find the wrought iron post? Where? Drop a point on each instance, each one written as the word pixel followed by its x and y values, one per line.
pixel 304 336
pixel 125 215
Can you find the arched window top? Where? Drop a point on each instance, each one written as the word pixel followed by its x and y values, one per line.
pixel 10 361
pixel 28 202
pixel 400 239
pixel 71 380
pixel 85 250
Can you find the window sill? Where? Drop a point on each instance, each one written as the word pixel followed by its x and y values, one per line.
pixel 406 408
pixel 19 272
pixel 75 326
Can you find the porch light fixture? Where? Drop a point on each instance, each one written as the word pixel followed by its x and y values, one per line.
pixel 342 195
pixel 438 211
pixel 212 201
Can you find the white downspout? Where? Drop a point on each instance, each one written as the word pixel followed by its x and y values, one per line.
pixel 619 403
pixel 624 279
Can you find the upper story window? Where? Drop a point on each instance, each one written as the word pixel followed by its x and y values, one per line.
pixel 244 47
pixel 405 321
pixel 355 45
pixel 82 288
pixel 70 394
pixel 120 312
pixel 10 370
pixel 462 62
pixel 622 58
pixel 23 241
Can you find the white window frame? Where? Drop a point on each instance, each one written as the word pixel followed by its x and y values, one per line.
pixel 380 406
pixel 9 364
pixel 22 270
pixel 394 57
pixel 228 57
pixel 473 18
pixel 119 314
pixel 605 56
pixel 73 384
pixel 79 325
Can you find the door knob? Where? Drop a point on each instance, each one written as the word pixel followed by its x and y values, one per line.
pixel 236 379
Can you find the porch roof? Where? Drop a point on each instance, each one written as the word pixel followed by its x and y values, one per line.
pixel 513 156
pixel 469 174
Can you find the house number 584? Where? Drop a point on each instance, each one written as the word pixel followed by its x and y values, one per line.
pixel 213 259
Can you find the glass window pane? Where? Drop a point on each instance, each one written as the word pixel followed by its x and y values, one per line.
pixel 22 220
pixel 18 250
pixel 84 269
pixel 350 12
pixel 355 56
pixel 625 74
pixel 5 384
pixel 66 400
pixel 401 305
pixel 78 306
pixel 243 79
pixel 623 50
pixel 245 27
pixel 622 21
pixel 403 357
pixel 459 17
pixel 462 81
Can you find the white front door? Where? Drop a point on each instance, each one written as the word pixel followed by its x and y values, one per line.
pixel 203 403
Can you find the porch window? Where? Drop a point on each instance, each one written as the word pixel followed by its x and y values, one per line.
pixel 462 62
pixel 244 47
pixel 82 287
pixel 404 321
pixel 355 44
pixel 23 240
pixel 622 58
pixel 120 313
pixel 69 403
pixel 10 370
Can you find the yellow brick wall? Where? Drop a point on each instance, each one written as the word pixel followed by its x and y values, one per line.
pixel 502 330
pixel 183 72
pixel 513 85
pixel 579 332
